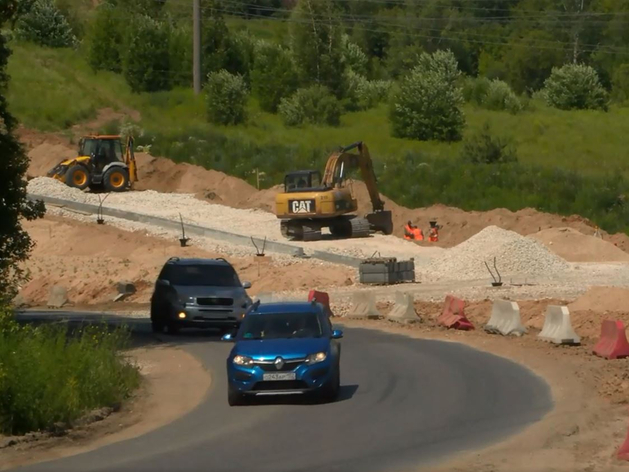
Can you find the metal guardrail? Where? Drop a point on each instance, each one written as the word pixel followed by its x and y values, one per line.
pixel 212 233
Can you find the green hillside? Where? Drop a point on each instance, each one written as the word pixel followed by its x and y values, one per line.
pixel 566 161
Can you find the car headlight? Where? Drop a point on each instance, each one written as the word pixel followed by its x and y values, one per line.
pixel 243 360
pixel 315 358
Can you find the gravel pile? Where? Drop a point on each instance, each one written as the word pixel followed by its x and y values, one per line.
pixel 515 255
pixel 257 223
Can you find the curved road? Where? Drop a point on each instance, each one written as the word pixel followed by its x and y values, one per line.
pixel 404 403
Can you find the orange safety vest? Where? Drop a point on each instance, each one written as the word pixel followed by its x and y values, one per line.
pixel 434 235
pixel 413 233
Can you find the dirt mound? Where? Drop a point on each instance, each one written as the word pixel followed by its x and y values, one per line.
pixel 575 246
pixel 45 156
pixel 89 260
pixel 157 173
pixel 602 299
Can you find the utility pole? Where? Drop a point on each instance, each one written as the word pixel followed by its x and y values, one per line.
pixel 196 45
pixel 575 50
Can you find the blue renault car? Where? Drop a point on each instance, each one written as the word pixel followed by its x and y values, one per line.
pixel 284 348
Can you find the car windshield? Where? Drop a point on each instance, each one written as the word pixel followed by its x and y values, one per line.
pixel 204 275
pixel 281 326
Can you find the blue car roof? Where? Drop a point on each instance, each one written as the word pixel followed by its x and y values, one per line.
pixel 286 307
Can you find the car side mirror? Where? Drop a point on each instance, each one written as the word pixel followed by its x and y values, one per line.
pixel 227 337
pixel 246 284
pixel 337 334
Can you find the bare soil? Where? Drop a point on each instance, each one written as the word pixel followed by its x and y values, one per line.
pixel 89 260
pixel 175 382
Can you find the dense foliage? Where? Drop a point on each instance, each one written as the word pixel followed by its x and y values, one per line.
pixel 15 243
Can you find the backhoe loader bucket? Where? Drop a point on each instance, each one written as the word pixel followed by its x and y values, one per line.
pixel 381 221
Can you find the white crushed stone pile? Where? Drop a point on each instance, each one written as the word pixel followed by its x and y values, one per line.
pixel 257 223
pixel 515 255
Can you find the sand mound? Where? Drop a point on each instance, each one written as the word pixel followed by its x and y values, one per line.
pixel 602 299
pixel 45 156
pixel 157 173
pixel 515 255
pixel 575 246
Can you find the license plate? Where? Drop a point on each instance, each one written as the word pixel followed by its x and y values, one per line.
pixel 282 376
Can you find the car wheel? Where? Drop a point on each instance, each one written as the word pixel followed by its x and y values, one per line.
pixel 332 389
pixel 172 328
pixel 233 397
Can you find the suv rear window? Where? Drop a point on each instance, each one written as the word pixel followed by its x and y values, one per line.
pixel 203 275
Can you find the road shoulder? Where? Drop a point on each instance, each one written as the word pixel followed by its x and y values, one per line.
pixel 175 382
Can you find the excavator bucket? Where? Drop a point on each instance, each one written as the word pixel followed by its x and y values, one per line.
pixel 381 221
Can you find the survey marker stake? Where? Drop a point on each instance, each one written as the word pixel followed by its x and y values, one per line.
pixel 183 240
pixel 258 252
pixel 495 283
pixel 99 213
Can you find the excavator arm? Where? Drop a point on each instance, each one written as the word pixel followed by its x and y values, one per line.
pixel 339 163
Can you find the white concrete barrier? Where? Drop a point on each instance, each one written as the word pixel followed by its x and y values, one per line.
pixel 266 297
pixel 557 326
pixel 404 309
pixel 505 319
pixel 58 297
pixel 364 306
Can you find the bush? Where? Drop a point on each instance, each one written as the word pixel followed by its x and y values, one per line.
pixel 227 96
pixel 44 24
pixel 475 89
pixel 620 83
pixel 428 103
pixel 363 94
pixel 313 105
pixel 354 57
pixel 46 377
pixel 273 76
pixel 500 97
pixel 147 57
pixel 575 87
pixel 483 148
pixel 180 53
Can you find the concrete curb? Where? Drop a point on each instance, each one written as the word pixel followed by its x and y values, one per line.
pixel 233 238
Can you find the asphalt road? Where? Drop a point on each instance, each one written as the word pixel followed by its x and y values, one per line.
pixel 404 402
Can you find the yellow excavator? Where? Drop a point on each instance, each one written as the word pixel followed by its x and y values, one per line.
pixel 310 203
pixel 100 164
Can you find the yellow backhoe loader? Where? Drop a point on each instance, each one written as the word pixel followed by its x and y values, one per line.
pixel 310 203
pixel 101 164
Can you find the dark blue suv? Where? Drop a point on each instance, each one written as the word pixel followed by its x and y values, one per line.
pixel 284 348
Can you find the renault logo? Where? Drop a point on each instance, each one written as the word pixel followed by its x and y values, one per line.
pixel 279 363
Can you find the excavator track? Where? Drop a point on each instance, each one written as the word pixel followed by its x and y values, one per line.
pixel 360 227
pixel 299 231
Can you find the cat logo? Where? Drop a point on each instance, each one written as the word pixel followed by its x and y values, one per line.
pixel 302 206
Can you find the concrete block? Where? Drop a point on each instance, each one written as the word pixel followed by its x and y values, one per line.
pixel 404 309
pixel 364 306
pixel 57 297
pixel 125 288
pixel 266 297
pixel 557 326
pixel 505 319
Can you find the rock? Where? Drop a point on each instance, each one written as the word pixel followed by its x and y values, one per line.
pixel 126 288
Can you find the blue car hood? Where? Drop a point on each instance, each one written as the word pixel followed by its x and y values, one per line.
pixel 269 349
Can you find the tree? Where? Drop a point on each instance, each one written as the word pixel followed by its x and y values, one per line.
pixel 44 24
pixel 575 87
pixel 147 57
pixel 215 40
pixel 15 243
pixel 105 40
pixel 318 45
pixel 226 98
pixel 273 76
pixel 427 104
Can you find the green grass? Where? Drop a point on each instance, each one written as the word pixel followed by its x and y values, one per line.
pixel 47 377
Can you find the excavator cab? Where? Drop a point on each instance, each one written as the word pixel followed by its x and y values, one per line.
pixel 302 180
pixel 101 163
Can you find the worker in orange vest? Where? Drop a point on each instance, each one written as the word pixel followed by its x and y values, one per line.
pixel 433 235
pixel 412 232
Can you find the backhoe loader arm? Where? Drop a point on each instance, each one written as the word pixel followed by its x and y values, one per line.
pixel 338 164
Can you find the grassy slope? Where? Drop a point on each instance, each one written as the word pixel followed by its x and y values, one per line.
pixel 52 89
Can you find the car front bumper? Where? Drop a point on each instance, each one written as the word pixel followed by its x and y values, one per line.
pixel 198 317
pixel 303 379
